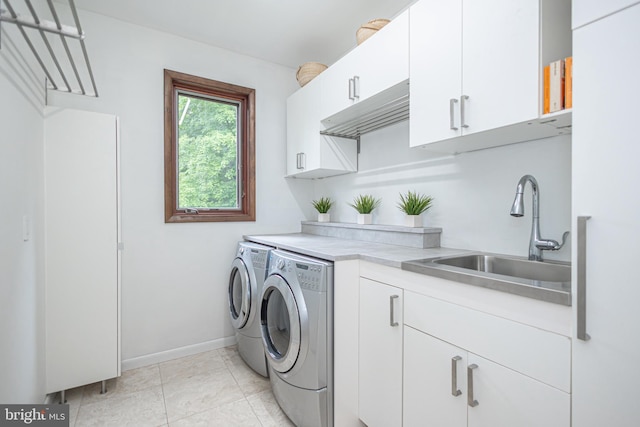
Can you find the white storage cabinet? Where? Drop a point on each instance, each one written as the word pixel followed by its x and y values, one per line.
pixel 605 176
pixel 476 66
pixel 516 376
pixel 82 260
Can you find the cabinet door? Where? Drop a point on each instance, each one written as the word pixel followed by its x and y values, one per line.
pixel 506 398
pixel 605 171
pixel 435 392
pixel 500 62
pixel 380 354
pixel 383 60
pixel 436 70
pixel 303 128
pixel 81 249
pixel 377 64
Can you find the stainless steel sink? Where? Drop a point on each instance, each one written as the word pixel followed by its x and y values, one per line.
pixel 532 270
pixel 547 281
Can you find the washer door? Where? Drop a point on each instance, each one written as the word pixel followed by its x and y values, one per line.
pixel 239 294
pixel 280 323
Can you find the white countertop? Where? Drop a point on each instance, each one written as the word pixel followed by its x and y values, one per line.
pixel 336 249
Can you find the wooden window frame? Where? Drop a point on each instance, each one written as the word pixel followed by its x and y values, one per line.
pixel 174 81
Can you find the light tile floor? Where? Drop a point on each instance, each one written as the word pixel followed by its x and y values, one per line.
pixel 215 388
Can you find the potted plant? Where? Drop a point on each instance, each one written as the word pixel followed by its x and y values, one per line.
pixel 364 204
pixel 322 205
pixel 413 205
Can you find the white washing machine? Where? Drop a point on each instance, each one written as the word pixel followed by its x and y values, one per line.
pixel 296 318
pixel 248 272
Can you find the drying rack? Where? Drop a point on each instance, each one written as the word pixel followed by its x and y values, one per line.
pixel 31 24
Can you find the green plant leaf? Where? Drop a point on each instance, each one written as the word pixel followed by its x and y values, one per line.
pixel 365 204
pixel 323 204
pixel 413 203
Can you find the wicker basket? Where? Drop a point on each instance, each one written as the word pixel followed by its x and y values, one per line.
pixel 308 71
pixel 370 28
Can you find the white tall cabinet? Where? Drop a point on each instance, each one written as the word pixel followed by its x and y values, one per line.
pixel 605 153
pixel 82 260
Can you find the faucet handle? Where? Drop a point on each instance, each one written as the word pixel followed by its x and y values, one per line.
pixel 552 245
pixel 564 240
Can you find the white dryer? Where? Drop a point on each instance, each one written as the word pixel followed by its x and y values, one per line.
pixel 296 318
pixel 248 272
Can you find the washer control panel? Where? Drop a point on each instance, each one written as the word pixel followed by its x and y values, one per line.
pixel 259 258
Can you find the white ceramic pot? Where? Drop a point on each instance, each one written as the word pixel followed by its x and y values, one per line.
pixel 324 217
pixel 413 220
pixel 364 219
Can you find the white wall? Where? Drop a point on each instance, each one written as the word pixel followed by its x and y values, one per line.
pixel 21 262
pixel 473 192
pixel 175 276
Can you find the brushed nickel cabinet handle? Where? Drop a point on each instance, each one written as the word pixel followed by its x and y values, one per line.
pixel 462 111
pixel 454 376
pixel 452 107
pixel 581 280
pixel 356 87
pixel 392 316
pixel 470 400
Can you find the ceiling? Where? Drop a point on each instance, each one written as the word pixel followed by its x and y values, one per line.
pixel 286 32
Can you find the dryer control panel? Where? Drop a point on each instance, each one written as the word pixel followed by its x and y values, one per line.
pixel 310 276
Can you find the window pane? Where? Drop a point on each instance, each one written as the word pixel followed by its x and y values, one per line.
pixel 207 153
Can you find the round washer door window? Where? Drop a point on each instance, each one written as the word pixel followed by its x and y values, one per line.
pixel 280 322
pixel 239 294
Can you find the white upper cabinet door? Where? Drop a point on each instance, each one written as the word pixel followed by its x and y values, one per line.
pixel 506 398
pixel 435 383
pixel 377 64
pixel 436 70
pixel 310 154
pixel 384 58
pixel 586 11
pixel 303 128
pixel 500 63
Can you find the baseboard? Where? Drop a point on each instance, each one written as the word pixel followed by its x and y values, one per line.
pixel 163 356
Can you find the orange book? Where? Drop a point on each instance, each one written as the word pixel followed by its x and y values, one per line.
pixel 568 82
pixel 546 74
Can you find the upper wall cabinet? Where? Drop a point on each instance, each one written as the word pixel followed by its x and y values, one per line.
pixel 476 71
pixel 309 154
pixel 377 64
pixel 369 76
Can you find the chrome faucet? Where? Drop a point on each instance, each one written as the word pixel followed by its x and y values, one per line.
pixel 536 244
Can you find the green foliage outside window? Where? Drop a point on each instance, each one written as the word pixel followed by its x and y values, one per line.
pixel 207 153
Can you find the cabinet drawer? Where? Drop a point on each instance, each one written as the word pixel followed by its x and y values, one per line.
pixel 539 354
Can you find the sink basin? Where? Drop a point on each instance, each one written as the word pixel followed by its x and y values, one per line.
pixel 514 267
pixel 548 281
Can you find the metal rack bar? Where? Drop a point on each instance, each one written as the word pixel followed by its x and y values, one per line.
pixel 386 115
pixel 46 42
pixel 43 27
pixel 74 11
pixel 66 46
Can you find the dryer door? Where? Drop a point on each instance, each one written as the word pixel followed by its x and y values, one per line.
pixel 280 323
pixel 239 294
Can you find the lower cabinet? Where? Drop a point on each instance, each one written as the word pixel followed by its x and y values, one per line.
pixel 380 354
pixel 425 361
pixel 445 385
